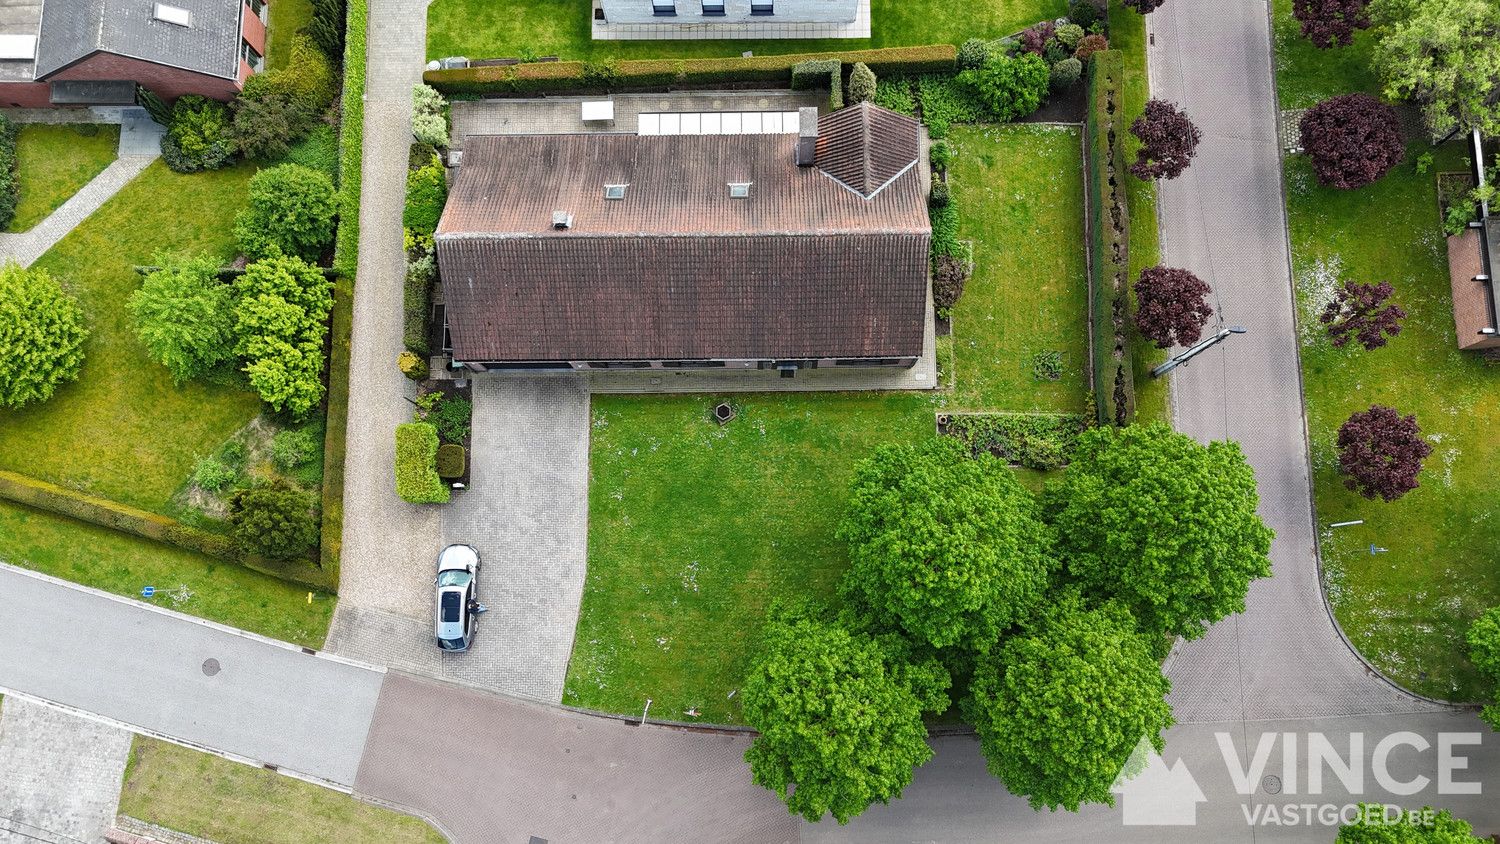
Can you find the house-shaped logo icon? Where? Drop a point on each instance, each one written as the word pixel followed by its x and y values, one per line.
pixel 1155 794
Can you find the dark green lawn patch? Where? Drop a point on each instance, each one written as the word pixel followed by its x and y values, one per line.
pixel 233 803
pixel 286 18
pixel 1019 192
pixel 1306 75
pixel 53 162
pixel 534 28
pixel 123 431
pixel 1406 610
pixel 122 564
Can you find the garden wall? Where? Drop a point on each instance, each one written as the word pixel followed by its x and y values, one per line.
pixel 1109 252
pixel 554 77
pixel 116 516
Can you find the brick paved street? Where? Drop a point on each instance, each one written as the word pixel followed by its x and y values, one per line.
pixel 59 773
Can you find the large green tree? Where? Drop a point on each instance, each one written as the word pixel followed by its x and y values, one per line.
pixel 41 336
pixel 184 315
pixel 1061 707
pixel 1484 652
pixel 288 208
pixel 281 315
pixel 945 547
pixel 839 714
pixel 1162 522
pixel 1424 827
pixel 1446 55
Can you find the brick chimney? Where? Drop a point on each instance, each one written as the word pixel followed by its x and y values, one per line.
pixel 807 136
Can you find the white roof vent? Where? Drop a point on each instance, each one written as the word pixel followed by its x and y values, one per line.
pixel 175 15
pixel 17 47
pixel 562 220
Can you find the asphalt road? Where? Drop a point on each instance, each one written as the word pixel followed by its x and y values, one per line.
pixel 169 674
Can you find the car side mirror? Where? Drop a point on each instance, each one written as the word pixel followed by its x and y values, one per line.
pixel 481 608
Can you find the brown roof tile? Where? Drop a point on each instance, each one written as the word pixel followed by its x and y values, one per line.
pixel 865 146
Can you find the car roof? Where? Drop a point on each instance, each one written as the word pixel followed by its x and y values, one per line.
pixel 457 557
pixel 451 629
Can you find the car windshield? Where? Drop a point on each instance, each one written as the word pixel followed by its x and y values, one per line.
pixel 451 603
pixel 451 644
pixel 453 578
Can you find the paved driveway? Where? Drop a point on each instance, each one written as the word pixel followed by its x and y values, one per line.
pixel 59 773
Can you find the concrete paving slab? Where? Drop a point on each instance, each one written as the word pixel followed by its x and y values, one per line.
pixel 59 773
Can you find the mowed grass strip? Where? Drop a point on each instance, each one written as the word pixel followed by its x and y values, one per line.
pixel 54 162
pixel 533 28
pixel 232 803
pixel 123 564
pixel 123 430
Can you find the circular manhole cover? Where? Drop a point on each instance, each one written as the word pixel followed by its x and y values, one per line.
pixel 1271 785
pixel 210 666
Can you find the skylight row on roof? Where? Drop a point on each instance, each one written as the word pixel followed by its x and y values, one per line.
pixel 719 123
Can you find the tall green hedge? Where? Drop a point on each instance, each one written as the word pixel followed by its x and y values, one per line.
pixel 10 188
pixel 1109 254
pixel 549 77
pixel 417 479
pixel 122 517
pixel 351 138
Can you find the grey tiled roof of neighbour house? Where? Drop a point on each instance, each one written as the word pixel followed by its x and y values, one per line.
pixel 72 30
pixel 802 267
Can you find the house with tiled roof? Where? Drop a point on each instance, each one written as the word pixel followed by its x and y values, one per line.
pixel 785 251
pixel 96 52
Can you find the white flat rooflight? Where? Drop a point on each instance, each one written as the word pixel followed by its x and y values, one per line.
pixel 172 14
pixel 17 46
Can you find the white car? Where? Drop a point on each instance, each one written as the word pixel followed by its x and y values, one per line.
pixel 457 606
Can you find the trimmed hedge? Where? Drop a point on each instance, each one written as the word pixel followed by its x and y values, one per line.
pixel 1109 253
pixel 126 519
pixel 10 188
pixel 417 479
pixel 1035 440
pixel 351 138
pixel 416 305
pixel 550 77
pixel 450 460
pixel 820 73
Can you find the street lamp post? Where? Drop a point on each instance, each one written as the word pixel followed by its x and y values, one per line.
pixel 1198 348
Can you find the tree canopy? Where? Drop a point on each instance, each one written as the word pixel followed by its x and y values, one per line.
pixel 1163 523
pixel 947 548
pixel 41 335
pixel 184 315
pixel 839 715
pixel 1381 452
pixel 1446 55
pixel 1330 23
pixel 1371 827
pixel 274 520
pixel 1352 140
pixel 1484 652
pixel 1169 140
pixel 1172 306
pixel 1362 312
pixel 1061 707
pixel 288 208
pixel 280 319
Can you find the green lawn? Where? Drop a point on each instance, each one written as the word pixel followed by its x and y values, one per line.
pixel 123 430
pixel 120 563
pixel 530 28
pixel 1020 197
pixel 53 162
pixel 285 18
pixel 694 529
pixel 1406 610
pixel 204 795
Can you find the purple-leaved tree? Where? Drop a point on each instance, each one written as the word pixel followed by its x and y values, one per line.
pixel 1168 141
pixel 1171 306
pixel 1381 453
pixel 1352 139
pixel 1330 23
pixel 1362 312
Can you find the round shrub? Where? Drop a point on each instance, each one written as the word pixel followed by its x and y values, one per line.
pixel 274 520
pixel 413 366
pixel 974 53
pixel 1091 44
pixel 266 128
pixel 199 136
pixel 214 475
pixel 41 336
pixel 1065 74
pixel 1069 34
pixel 1172 306
pixel 184 316
pixel 450 461
pixel 940 196
pixel 290 449
pixel 861 84
pixel 1083 13
pixel 290 208
pixel 1352 139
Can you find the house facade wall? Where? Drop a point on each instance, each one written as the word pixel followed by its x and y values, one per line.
pixel 167 82
pixel 252 29
pixel 25 95
pixel 717 365
pixel 735 11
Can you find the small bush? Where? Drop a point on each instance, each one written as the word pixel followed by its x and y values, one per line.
pixel 1009 88
pixel 1083 13
pixel 417 479
pixel 426 192
pixel 292 448
pixel 289 208
pixel 274 520
pixel 1065 74
pixel 416 301
pixel 940 196
pixel 451 460
pixel 861 84
pixel 949 275
pixel 452 418
pixel 200 136
pixel 308 79
pixel 318 151
pixel 214 475
pixel 1069 34
pixel 1090 45
pixel 941 155
pixel 945 230
pixel 413 366
pixel 266 127
pixel 429 121
pixel 1035 38
pixel 895 93
pixel 973 54
pixel 156 107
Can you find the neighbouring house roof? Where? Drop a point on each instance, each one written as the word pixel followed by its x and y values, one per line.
pixel 1473 301
pixel 72 30
pixel 803 267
